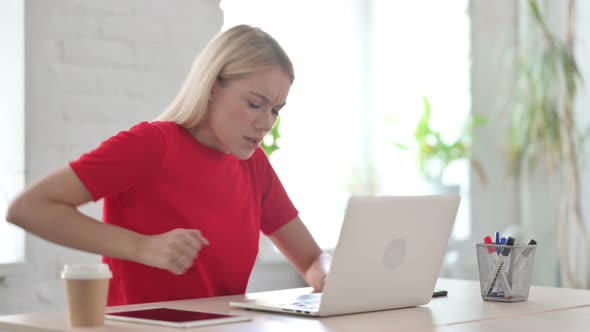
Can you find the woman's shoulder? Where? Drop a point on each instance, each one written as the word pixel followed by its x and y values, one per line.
pixel 259 155
pixel 259 159
pixel 164 129
pixel 164 126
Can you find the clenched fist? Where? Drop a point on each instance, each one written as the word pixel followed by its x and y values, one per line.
pixel 174 251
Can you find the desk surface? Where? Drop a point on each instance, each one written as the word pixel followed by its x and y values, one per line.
pixel 570 320
pixel 462 310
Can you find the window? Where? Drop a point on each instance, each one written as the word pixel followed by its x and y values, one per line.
pixel 355 62
pixel 12 248
pixel 420 48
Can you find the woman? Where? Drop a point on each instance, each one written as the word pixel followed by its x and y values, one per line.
pixel 186 196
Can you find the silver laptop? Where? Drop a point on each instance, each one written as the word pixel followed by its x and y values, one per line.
pixel 388 256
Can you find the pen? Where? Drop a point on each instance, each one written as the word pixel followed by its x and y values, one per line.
pixel 491 250
pixel 499 250
pixel 526 251
pixel 523 253
pixel 493 254
pixel 497 271
pixel 497 240
pixel 510 264
pixel 493 257
pixel 502 242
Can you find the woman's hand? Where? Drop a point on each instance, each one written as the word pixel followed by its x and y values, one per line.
pixel 174 251
pixel 297 244
pixel 321 265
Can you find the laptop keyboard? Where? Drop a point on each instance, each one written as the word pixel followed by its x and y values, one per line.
pixel 310 302
pixel 307 305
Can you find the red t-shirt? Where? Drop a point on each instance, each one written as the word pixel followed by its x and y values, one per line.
pixel 155 178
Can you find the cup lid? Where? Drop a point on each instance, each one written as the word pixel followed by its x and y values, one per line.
pixel 86 271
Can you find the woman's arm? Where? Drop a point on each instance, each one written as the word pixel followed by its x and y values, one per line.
pixel 48 209
pixel 297 244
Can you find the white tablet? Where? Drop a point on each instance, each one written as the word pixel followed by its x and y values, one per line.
pixel 174 317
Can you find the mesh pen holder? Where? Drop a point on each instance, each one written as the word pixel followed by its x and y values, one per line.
pixel 505 271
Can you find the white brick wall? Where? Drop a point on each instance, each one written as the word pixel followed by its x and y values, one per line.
pixel 93 68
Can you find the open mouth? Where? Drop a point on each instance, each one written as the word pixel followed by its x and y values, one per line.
pixel 252 140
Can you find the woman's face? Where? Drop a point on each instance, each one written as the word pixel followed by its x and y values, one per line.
pixel 242 111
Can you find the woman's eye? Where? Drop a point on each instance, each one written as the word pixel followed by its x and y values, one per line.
pixel 275 112
pixel 251 104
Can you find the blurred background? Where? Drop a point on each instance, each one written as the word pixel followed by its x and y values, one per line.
pixel 482 98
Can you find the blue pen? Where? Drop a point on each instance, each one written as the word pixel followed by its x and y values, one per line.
pixel 499 250
pixel 501 242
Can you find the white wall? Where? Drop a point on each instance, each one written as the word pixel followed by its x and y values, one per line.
pixel 94 68
pixel 503 203
pixel 520 209
pixel 12 136
pixel 493 34
pixel 583 102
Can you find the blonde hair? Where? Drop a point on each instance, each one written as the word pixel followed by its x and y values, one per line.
pixel 232 54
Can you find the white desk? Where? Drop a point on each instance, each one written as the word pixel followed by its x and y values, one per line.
pixel 462 310
pixel 566 320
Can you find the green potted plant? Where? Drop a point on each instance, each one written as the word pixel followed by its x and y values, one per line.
pixel 269 144
pixel 434 154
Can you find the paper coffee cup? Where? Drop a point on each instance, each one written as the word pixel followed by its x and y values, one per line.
pixel 87 287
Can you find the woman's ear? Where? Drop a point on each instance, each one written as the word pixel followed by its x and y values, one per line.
pixel 214 89
pixel 212 94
